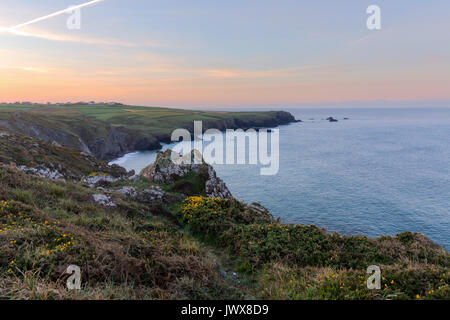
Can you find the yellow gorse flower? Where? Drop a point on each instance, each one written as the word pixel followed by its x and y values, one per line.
pixel 193 205
pixel 97 174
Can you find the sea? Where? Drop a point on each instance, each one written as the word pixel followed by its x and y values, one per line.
pixel 376 171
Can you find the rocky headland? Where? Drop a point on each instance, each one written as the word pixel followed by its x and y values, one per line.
pixel 107 140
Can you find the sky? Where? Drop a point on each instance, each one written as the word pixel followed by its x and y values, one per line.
pixel 227 53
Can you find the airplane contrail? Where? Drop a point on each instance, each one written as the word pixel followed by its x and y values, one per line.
pixel 13 28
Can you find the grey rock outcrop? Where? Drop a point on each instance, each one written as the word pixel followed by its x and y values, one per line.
pixel 166 170
pixel 214 186
pixel 170 167
pixel 103 200
pixel 43 172
pixel 128 191
pixel 96 180
pixel 157 194
pixel 154 193
pixel 258 208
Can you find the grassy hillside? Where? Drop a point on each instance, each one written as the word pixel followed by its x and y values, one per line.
pixel 306 262
pixel 130 252
pixel 110 131
pixel 19 150
pixel 185 248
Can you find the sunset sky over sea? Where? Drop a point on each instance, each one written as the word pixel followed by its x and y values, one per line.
pixel 234 53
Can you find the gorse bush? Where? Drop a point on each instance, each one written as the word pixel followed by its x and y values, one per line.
pixel 259 237
pixel 254 235
pixel 206 215
pixel 30 239
pixel 263 243
pixel 257 240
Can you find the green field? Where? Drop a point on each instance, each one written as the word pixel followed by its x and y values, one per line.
pixel 151 119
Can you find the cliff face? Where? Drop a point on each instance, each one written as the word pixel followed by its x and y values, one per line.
pixel 273 119
pixel 112 142
pixel 94 137
pixel 120 140
pixel 107 141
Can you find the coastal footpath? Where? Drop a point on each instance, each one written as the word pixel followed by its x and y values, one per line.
pixel 176 232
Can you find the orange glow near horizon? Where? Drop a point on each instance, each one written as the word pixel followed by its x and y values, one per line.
pixel 44 62
pixel 41 85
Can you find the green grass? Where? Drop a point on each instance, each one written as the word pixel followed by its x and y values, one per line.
pixel 129 252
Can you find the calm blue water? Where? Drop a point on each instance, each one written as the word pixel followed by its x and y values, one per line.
pixel 383 171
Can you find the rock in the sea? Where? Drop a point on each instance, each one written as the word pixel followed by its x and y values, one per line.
pixel 331 119
pixel 103 200
pixel 170 167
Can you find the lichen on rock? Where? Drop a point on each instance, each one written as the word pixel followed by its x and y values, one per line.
pixel 103 200
pixel 43 172
pixel 128 191
pixel 95 180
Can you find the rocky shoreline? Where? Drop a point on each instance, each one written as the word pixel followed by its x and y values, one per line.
pixel 154 143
